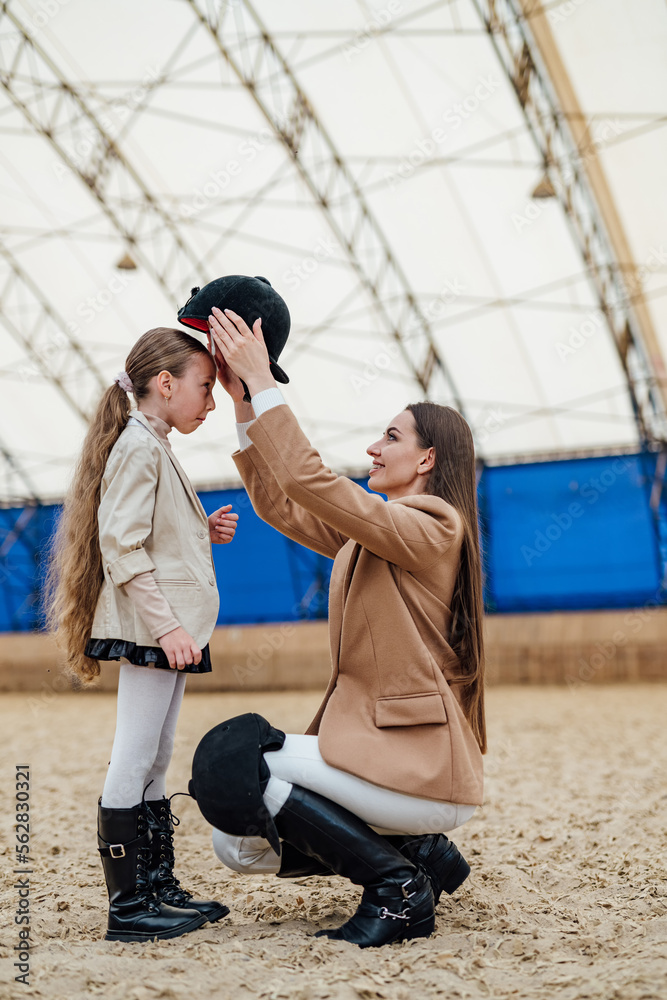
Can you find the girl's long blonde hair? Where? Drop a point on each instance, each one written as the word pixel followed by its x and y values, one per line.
pixel 453 479
pixel 75 574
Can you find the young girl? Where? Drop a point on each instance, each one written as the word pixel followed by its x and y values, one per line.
pixel 132 579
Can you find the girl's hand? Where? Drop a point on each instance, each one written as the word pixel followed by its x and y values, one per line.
pixel 222 525
pixel 243 349
pixel 181 649
pixel 230 382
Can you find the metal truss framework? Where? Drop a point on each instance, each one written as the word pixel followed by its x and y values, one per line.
pixel 53 353
pixel 80 138
pixel 266 75
pixel 87 147
pixel 57 111
pixel 15 471
pixel 61 114
pixel 54 110
pixel 523 42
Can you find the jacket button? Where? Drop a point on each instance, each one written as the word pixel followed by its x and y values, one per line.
pixel 201 533
pixel 211 581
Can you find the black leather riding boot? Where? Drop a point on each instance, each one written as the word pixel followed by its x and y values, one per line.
pixel 397 900
pixel 123 839
pixel 164 883
pixel 296 864
pixel 438 858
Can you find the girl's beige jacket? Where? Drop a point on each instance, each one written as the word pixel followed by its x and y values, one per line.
pixel 389 714
pixel 151 519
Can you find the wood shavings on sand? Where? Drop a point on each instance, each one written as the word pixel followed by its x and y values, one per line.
pixel 567 896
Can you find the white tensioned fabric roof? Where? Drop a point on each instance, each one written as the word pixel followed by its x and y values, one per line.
pixel 125 129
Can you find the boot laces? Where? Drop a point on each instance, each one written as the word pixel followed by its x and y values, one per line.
pixel 143 889
pixel 170 887
pixel 166 811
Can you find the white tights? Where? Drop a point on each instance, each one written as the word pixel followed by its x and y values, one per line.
pixel 149 700
pixel 300 762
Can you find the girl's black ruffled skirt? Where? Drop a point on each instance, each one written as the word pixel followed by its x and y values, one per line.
pixel 143 656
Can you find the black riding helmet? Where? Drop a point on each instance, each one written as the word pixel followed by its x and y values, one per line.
pixel 250 298
pixel 230 775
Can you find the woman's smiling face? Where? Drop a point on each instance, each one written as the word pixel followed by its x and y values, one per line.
pixel 400 467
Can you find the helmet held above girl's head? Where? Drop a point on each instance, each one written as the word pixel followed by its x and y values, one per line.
pixel 251 298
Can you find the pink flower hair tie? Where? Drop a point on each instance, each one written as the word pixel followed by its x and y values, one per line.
pixel 124 381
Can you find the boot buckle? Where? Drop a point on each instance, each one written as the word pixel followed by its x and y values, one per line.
pixel 117 850
pixel 384 913
pixel 404 891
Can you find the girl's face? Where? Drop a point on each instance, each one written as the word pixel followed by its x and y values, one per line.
pixel 400 467
pixel 191 396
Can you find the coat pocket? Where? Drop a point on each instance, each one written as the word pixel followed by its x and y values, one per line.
pixel 410 710
pixel 180 593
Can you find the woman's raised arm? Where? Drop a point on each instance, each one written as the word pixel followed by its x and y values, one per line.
pixel 277 509
pixel 412 537
pixel 268 500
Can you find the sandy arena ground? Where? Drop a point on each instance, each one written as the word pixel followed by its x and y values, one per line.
pixel 567 899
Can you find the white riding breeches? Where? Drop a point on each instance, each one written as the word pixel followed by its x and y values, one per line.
pixel 299 762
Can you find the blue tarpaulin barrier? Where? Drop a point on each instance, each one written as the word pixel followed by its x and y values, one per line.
pixel 575 534
pixel 563 535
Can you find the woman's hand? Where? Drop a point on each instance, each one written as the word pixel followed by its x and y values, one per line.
pixel 243 349
pixel 222 525
pixel 230 382
pixel 181 649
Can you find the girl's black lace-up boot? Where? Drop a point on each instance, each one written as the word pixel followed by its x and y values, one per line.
pixel 135 914
pixel 164 883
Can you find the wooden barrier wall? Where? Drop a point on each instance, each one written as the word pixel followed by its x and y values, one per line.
pixel 556 648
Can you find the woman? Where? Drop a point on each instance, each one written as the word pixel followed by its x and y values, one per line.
pixel 394 755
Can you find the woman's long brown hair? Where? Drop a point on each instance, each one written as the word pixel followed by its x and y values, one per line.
pixel 453 479
pixel 75 575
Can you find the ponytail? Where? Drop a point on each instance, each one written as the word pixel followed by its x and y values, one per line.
pixel 75 572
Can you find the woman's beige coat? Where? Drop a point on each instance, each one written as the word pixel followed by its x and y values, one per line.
pixel 389 714
pixel 151 519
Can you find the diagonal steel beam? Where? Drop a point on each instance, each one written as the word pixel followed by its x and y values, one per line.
pixel 57 111
pixel 15 469
pixel 525 47
pixel 52 349
pixel 246 45
pixel 85 143
pixel 86 146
